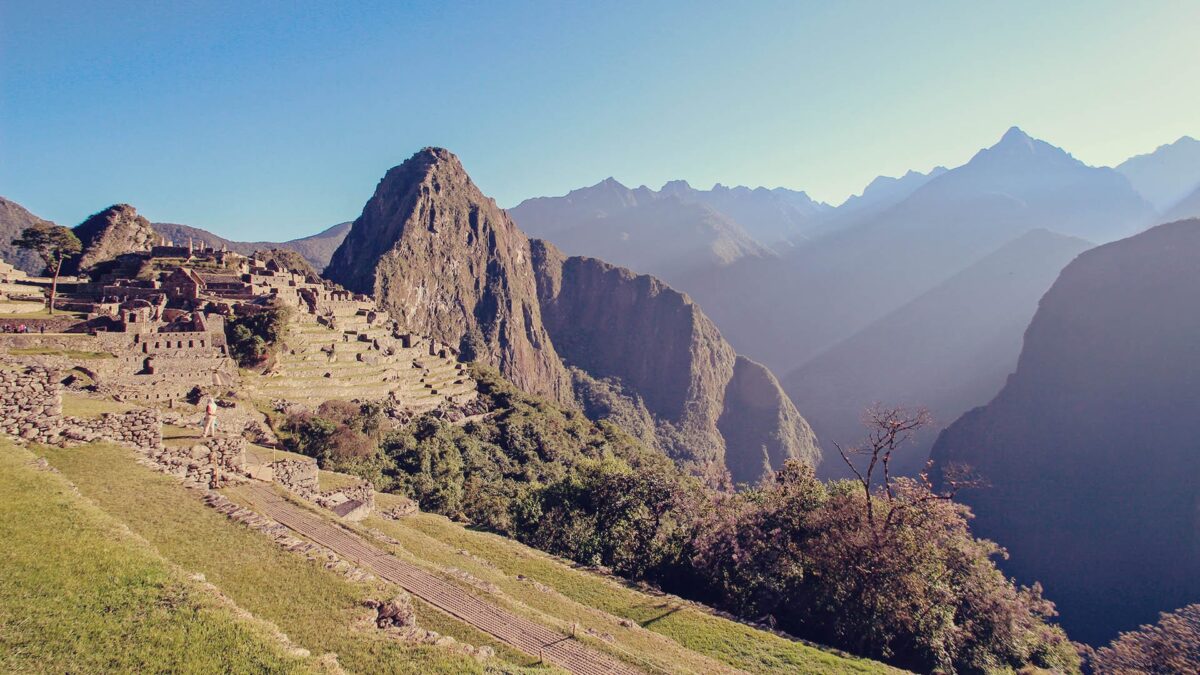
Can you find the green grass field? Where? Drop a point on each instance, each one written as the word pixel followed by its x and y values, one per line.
pixel 317 609
pixel 81 594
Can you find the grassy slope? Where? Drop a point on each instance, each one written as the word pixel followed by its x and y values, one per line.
pixel 318 609
pixel 81 594
pixel 671 633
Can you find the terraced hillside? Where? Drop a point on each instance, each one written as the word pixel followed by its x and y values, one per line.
pixel 321 611
pixel 356 356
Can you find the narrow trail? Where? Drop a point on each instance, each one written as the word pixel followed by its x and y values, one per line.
pixel 528 636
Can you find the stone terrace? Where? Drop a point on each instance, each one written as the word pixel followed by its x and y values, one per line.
pixel 353 354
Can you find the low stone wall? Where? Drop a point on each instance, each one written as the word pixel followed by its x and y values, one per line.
pixel 298 475
pixel 141 428
pixel 214 463
pixel 29 397
pixel 353 503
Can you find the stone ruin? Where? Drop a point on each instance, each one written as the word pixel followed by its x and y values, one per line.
pixel 302 477
pixel 31 410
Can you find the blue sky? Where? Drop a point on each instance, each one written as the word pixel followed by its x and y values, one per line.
pixel 269 120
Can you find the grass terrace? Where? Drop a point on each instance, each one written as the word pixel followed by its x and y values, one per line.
pixel 81 593
pixel 317 609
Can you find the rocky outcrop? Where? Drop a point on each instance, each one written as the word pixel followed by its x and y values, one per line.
pixel 446 262
pixel 114 231
pixel 762 428
pixel 1090 450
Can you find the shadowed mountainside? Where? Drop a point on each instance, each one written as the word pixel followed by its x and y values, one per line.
pixel 664 234
pixel 949 349
pixel 786 311
pixel 1090 449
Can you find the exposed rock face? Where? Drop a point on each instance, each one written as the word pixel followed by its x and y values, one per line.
pixel 446 262
pixel 111 232
pixel 1091 447
pixel 758 416
pixel 612 323
pixel 13 219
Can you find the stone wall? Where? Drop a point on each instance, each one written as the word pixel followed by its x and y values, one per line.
pixel 31 408
pixel 28 397
pixel 214 463
pixel 50 325
pixel 298 475
pixel 141 428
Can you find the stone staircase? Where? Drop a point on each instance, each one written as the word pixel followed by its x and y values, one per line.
pixel 355 356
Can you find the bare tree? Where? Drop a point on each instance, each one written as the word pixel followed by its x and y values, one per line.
pixel 888 429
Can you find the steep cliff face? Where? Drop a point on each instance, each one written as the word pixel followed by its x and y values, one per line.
pixel 761 426
pixel 714 409
pixel 445 261
pixel 111 232
pixel 1091 449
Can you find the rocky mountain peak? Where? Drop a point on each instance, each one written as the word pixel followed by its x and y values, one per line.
pixel 110 233
pixel 446 262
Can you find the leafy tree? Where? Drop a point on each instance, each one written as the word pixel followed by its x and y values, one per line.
pixel 1170 646
pixel 252 337
pixel 54 245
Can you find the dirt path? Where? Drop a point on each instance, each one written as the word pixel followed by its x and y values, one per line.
pixel 528 636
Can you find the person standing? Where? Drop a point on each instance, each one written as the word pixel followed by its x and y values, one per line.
pixel 210 417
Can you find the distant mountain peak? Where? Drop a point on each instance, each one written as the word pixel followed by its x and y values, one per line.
pixel 1167 175
pixel 1017 146
pixel 676 187
pixel 1015 135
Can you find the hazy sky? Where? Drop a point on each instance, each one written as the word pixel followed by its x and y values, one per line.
pixel 273 120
